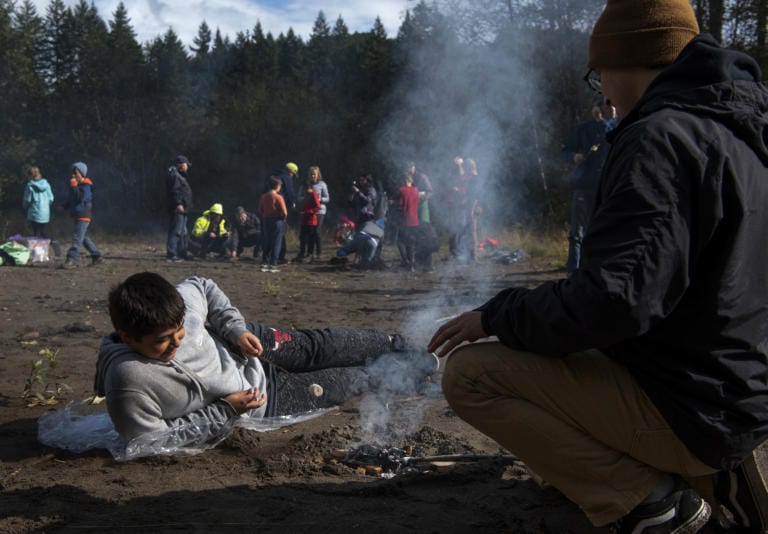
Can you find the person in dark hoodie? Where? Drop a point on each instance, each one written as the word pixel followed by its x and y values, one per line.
pixel 587 150
pixel 80 205
pixel 246 232
pixel 179 204
pixel 649 365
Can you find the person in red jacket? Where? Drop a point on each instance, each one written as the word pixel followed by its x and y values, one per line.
pixel 407 199
pixel 309 237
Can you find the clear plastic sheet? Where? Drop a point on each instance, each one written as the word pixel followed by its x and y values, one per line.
pixel 82 426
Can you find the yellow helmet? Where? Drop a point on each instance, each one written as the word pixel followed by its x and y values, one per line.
pixel 292 167
pixel 217 208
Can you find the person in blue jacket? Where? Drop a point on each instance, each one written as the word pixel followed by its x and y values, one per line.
pixel 80 206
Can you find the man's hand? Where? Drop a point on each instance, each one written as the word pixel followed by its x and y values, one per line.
pixel 466 327
pixel 578 158
pixel 242 401
pixel 180 208
pixel 249 344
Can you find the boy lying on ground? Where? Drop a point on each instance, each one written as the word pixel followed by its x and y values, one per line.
pixel 183 359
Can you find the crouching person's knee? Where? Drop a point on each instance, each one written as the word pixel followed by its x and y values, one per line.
pixel 458 384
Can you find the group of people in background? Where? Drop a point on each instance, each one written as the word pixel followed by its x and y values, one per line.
pixel 264 229
pixel 402 207
pixel 397 211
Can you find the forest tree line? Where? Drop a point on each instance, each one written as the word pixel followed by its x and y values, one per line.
pixel 496 80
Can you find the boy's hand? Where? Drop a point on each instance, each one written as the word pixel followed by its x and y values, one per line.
pixel 249 344
pixel 466 327
pixel 242 401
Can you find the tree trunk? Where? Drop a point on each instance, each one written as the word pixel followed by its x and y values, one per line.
pixel 716 14
pixel 761 20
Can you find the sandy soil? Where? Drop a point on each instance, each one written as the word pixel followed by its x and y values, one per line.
pixel 281 481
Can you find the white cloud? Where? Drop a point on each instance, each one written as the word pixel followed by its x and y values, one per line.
pixel 152 18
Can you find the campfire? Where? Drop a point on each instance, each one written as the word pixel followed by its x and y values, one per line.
pixel 388 462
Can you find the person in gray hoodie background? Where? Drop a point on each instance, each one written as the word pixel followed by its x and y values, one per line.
pixel 183 360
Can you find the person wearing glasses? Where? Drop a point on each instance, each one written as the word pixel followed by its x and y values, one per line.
pixel 646 372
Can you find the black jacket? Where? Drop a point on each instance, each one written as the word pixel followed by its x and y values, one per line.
pixel 244 231
pixel 588 139
pixel 675 277
pixel 179 191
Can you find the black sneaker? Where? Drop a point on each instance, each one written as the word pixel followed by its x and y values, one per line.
pixel 682 512
pixel 744 492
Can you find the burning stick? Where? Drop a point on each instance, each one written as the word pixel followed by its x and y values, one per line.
pixel 446 319
pixel 395 460
pixel 506 458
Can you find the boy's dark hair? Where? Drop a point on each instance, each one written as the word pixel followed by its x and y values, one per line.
pixel 274 182
pixel 145 303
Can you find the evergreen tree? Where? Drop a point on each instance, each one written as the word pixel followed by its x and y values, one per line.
pixel 340 29
pixel 59 55
pixel 320 29
pixel 17 147
pixel 289 56
pixel 202 41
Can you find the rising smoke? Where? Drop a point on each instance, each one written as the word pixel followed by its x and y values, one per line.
pixel 457 99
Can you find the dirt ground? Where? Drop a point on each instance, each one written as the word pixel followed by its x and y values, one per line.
pixel 286 480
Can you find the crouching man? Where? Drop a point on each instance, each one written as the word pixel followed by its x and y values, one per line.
pixel 650 364
pixel 182 359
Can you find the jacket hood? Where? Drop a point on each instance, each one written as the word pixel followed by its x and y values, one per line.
pixel 710 81
pixel 40 186
pixel 111 350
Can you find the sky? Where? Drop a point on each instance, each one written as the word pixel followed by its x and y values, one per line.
pixel 152 18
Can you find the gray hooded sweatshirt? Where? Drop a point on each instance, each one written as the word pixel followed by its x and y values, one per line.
pixel 182 397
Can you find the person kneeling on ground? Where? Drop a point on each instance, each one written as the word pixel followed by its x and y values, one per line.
pixel 246 232
pixel 366 243
pixel 649 365
pixel 183 359
pixel 209 232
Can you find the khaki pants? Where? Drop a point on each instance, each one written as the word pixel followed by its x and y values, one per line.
pixel 580 422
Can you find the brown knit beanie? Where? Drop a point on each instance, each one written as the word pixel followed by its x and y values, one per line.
pixel 641 33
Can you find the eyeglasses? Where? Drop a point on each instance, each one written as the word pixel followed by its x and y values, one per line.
pixel 593 80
